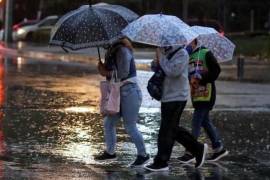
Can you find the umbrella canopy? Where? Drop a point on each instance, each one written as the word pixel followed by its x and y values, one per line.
pixel 159 30
pixel 91 26
pixel 221 47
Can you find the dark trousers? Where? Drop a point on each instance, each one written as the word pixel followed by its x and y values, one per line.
pixel 170 131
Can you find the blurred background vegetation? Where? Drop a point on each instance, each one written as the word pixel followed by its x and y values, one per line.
pixel 234 15
pixel 245 22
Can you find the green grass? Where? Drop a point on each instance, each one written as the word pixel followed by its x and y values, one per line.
pixel 252 45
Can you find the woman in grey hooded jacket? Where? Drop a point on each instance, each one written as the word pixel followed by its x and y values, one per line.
pixel 174 62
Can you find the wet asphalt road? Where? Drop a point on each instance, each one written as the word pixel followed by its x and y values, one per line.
pixel 50 129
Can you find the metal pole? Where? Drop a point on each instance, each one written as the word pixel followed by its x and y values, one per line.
pixel 221 10
pixel 252 20
pixel 240 67
pixel 269 20
pixel 225 25
pixel 8 21
pixel 99 57
pixel 41 6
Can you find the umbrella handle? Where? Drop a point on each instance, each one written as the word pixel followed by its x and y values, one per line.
pixel 197 63
pixel 99 58
pixel 65 49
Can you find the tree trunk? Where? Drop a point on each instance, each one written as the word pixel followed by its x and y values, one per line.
pixel 40 9
pixel 252 20
pixel 185 10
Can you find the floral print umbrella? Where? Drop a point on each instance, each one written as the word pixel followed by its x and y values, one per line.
pixel 221 47
pixel 91 26
pixel 159 30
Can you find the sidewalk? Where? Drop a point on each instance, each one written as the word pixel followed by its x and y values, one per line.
pixel 43 51
pixel 255 71
pixel 231 94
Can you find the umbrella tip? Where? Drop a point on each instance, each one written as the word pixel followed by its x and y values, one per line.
pixel 90 3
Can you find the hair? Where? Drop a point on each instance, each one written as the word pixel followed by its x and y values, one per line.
pixel 126 43
pixel 196 41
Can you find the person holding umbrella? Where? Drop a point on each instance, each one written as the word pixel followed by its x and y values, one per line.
pixel 169 34
pixel 203 71
pixel 174 62
pixel 119 58
pixel 100 26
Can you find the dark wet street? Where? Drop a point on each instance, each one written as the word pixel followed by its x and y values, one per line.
pixel 50 129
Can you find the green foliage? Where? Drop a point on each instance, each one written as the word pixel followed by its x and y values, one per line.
pixel 252 45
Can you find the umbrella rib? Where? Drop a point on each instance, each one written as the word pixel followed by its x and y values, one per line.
pixel 77 33
pixel 120 17
pixel 101 23
pixel 63 19
pixel 162 34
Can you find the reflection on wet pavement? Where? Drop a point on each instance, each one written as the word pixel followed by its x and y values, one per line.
pixel 50 129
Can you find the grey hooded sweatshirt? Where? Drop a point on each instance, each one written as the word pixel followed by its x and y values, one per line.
pixel 176 83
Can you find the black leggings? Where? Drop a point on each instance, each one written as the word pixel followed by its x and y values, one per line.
pixel 170 131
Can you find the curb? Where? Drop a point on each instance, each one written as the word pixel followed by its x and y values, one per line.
pixel 84 59
pixel 74 58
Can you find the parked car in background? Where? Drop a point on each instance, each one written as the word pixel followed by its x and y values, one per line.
pixel 27 32
pixel 207 22
pixel 23 23
pixel 16 27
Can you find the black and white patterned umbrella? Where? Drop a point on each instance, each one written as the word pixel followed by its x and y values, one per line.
pixel 91 26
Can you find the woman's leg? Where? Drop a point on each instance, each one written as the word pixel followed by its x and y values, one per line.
pixel 191 144
pixel 170 116
pixel 110 132
pixel 131 99
pixel 198 117
pixel 181 135
pixel 211 131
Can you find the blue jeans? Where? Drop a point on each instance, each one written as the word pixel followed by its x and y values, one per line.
pixel 201 119
pixel 131 99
